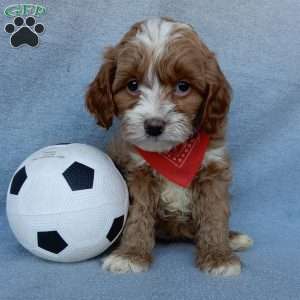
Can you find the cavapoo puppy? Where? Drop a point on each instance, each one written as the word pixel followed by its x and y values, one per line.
pixel 172 99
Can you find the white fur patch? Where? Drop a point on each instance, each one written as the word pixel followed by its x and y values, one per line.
pixel 155 34
pixel 175 200
pixel 150 102
pixel 214 155
pixel 240 242
pixel 226 270
pixel 119 264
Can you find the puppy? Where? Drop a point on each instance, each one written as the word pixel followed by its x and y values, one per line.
pixel 172 99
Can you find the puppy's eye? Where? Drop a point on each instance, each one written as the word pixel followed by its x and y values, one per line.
pixel 182 88
pixel 133 87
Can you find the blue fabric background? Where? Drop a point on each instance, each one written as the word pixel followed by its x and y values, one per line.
pixel 41 103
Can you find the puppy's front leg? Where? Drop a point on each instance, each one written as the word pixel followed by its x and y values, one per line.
pixel 138 239
pixel 210 216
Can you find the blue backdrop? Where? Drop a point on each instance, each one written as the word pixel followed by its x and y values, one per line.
pixel 42 102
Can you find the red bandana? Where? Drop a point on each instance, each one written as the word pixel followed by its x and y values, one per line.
pixel 180 164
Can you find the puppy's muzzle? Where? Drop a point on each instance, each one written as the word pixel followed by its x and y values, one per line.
pixel 154 126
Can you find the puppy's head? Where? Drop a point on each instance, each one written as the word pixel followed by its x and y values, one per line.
pixel 163 83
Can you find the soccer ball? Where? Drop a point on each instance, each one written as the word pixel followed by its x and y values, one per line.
pixel 67 202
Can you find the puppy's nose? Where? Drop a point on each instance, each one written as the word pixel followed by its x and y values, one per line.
pixel 154 126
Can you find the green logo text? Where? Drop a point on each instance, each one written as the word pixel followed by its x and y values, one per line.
pixel 24 10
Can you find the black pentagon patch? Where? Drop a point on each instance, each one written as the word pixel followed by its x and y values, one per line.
pixel 18 181
pixel 115 228
pixel 79 176
pixel 51 241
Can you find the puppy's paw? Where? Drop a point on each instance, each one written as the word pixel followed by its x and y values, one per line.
pixel 220 265
pixel 227 269
pixel 123 264
pixel 239 241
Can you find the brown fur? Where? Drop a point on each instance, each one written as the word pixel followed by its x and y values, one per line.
pixel 207 106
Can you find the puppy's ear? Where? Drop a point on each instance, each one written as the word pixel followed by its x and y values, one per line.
pixel 218 98
pixel 99 98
